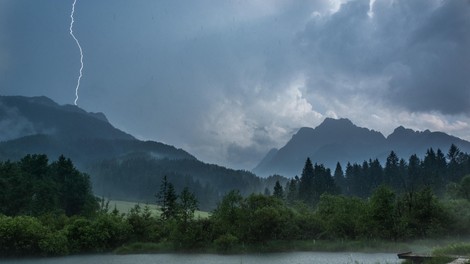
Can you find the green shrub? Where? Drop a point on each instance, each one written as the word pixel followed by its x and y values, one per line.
pixel 54 244
pixel 20 236
pixel 225 242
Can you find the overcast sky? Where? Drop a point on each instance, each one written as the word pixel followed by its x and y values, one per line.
pixel 229 79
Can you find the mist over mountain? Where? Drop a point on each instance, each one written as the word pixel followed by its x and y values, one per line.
pixel 39 125
pixel 120 166
pixel 339 140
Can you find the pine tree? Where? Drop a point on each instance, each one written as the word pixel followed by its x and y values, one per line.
pixel 339 178
pixel 306 192
pixel 187 206
pixel 167 199
pixel 278 191
pixel 323 182
pixel 292 193
pixel 415 176
pixel 455 158
pixel 391 171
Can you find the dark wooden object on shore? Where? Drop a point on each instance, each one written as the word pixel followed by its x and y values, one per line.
pixel 415 258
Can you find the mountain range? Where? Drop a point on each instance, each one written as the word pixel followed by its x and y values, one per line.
pixel 123 167
pixel 339 140
pixel 120 166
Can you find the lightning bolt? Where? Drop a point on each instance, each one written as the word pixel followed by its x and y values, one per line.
pixel 79 47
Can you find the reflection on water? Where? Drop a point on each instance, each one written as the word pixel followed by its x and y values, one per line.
pixel 274 258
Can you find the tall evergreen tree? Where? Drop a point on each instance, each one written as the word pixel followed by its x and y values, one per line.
pixel 455 159
pixel 187 206
pixel 402 174
pixel 278 191
pixel 306 192
pixel 292 193
pixel 339 178
pixel 167 199
pixel 323 182
pixel 376 173
pixel 391 171
pixel 441 173
pixel 429 167
pixel 414 173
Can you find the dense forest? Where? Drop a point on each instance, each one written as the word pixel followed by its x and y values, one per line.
pixel 48 209
pixel 137 176
pixel 438 171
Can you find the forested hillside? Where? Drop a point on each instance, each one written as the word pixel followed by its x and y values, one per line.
pixel 120 166
pixel 137 177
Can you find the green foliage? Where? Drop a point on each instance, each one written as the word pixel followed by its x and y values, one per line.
pixel 459 249
pixel 344 217
pixel 34 187
pixel 306 192
pixel 464 188
pixel 81 236
pixel 292 192
pixel 315 181
pixel 229 214
pixel 167 199
pixel 187 206
pixel 104 233
pixel 225 242
pixel 68 218
pixel 459 211
pixel 423 214
pixel 54 243
pixel 278 191
pixel 383 213
pixel 20 236
pixel 143 226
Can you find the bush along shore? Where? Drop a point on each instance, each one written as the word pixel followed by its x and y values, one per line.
pixel 48 209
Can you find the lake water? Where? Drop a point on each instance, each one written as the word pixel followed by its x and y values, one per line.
pixel 273 258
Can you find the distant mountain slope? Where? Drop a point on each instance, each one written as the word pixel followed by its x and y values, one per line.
pixel 340 140
pixel 41 115
pixel 39 125
pixel 120 165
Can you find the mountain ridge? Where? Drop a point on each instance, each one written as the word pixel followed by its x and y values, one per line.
pixel 340 140
pixel 43 126
pixel 120 166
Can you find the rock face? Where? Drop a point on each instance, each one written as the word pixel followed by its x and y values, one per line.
pixel 339 140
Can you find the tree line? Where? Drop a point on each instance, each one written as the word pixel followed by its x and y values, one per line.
pixel 309 208
pixel 438 171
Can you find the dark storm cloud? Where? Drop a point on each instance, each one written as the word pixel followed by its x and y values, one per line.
pixel 418 51
pixel 229 80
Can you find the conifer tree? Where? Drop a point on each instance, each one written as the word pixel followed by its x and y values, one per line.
pixel 167 199
pixel 278 191
pixel 306 192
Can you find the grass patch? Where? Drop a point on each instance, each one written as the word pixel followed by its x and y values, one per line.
pixel 457 249
pixel 126 206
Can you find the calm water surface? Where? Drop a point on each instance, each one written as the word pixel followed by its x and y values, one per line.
pixel 274 258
